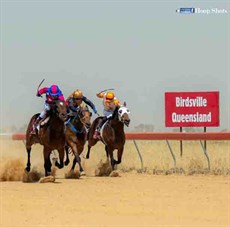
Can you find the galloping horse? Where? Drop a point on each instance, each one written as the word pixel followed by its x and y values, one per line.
pixel 112 134
pixel 51 136
pixel 76 134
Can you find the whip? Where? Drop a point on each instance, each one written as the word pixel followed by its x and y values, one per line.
pixel 40 85
pixel 106 90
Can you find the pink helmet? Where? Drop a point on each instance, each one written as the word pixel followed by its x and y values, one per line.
pixel 54 91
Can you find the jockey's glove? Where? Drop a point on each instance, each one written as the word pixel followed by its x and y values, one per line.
pixel 38 95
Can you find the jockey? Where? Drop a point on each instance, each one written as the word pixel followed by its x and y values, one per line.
pixel 52 93
pixel 110 102
pixel 76 99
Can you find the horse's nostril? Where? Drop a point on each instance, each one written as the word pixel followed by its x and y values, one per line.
pixel 63 115
pixel 127 122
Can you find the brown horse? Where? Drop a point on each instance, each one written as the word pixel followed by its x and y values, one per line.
pixel 112 134
pixel 51 136
pixel 76 134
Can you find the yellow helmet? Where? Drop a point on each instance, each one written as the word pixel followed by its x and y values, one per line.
pixel 109 95
pixel 77 94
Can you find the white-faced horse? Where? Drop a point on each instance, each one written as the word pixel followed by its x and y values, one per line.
pixel 112 134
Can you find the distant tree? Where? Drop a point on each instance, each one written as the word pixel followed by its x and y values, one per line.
pixel 23 128
pixel 2 130
pixel 144 128
pixel 188 129
pixel 13 128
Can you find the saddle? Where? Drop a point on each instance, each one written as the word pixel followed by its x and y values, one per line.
pixel 45 121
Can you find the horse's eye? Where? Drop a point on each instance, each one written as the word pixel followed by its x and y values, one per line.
pixel 90 114
pixel 120 111
pixel 128 110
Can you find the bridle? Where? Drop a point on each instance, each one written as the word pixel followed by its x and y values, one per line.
pixel 122 112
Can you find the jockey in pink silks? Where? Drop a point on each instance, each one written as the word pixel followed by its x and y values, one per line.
pixel 52 93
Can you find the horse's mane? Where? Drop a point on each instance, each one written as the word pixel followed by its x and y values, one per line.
pixel 53 113
pixel 115 112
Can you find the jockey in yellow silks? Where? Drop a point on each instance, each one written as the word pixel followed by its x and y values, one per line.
pixel 109 102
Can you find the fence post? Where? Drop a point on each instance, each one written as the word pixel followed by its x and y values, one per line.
pixel 139 153
pixel 171 151
pixel 206 154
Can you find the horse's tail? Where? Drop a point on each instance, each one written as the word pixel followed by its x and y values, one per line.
pixel 31 123
pixel 29 128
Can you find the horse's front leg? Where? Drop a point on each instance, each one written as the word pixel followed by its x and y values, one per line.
pixel 91 142
pixel 79 151
pixel 28 149
pixel 74 163
pixel 119 155
pixel 76 157
pixel 107 151
pixel 88 152
pixel 67 155
pixel 47 162
pixel 113 162
pixel 61 158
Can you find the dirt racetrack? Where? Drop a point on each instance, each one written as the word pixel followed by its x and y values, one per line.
pixel 133 199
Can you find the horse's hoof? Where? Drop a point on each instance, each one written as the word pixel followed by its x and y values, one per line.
pixel 82 173
pixel 66 163
pixel 31 177
pixel 114 174
pixel 27 169
pixel 72 175
pixel 60 166
pixel 48 179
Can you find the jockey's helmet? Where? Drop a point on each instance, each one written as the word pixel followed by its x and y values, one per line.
pixel 54 91
pixel 78 94
pixel 109 95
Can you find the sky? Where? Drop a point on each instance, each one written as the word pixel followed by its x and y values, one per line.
pixel 142 49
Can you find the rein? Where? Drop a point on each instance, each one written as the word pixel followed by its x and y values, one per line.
pixel 73 128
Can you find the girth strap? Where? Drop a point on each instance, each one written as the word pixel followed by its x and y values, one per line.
pixel 73 128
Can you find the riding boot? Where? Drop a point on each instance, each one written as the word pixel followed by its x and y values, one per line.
pixel 35 125
pixel 97 131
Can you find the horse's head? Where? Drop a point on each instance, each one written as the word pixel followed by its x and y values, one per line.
pixel 60 109
pixel 123 115
pixel 85 115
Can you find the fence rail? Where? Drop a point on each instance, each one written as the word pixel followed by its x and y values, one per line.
pixel 163 136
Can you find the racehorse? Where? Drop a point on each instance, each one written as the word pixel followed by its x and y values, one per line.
pixel 112 134
pixel 51 135
pixel 76 134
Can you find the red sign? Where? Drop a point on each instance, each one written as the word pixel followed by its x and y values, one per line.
pixel 192 109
